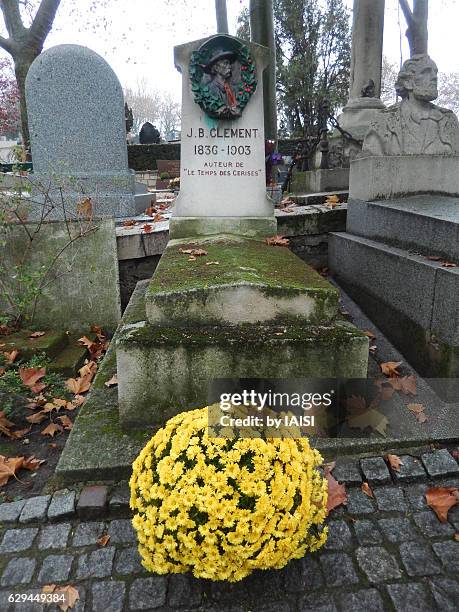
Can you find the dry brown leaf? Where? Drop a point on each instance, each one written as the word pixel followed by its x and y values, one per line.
pixel 367 489
pixel 79 385
pixel 370 335
pixel 37 334
pixel 65 422
pixel 112 382
pixel 212 263
pixel 84 208
pixel 30 378
pixel 418 411
pixel 129 223
pixel 441 499
pixel 32 463
pixel 193 252
pixel 71 595
pixel 408 385
pixel 52 429
pixel 37 417
pixel 395 462
pixel 448 264
pixel 9 466
pixel 20 433
pixel 103 540
pixel 11 356
pixel 277 241
pixel 371 418
pixel 390 368
pixel 336 493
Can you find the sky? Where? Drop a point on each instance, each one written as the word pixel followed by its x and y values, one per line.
pixel 137 37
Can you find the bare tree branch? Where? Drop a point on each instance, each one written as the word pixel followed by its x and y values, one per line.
pixel 43 20
pixel 6 44
pixel 406 11
pixel 12 17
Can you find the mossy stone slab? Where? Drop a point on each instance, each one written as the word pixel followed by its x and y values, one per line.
pixel 51 343
pixel 237 281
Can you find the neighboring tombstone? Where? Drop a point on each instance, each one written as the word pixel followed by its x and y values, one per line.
pixel 77 127
pixel 222 181
pixel 149 134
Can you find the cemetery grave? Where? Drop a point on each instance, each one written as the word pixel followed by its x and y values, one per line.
pixel 115 380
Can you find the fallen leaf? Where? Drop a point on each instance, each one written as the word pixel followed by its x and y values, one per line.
pixel 37 334
pixel 30 378
pixel 418 411
pixel 441 499
pixel 370 335
pixel 456 536
pixel 84 208
pixel 37 417
pixel 193 252
pixel 433 257
pixel 32 463
pixel 408 385
pixel 332 201
pixel 277 241
pixel 372 348
pixel 112 382
pixel 191 258
pixel 85 341
pixel 390 368
pixel 9 466
pixel 367 489
pixel 212 263
pixel 70 593
pixel 65 422
pixel 395 462
pixel 129 223
pixel 371 418
pixel 20 433
pixel 103 540
pixel 448 264
pixel 336 493
pixel 52 429
pixel 147 228
pixel 11 356
pixel 78 385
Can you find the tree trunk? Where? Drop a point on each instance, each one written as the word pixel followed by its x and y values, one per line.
pixel 416 19
pixel 22 61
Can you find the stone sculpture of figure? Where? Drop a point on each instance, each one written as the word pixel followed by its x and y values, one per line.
pixel 220 68
pixel 414 126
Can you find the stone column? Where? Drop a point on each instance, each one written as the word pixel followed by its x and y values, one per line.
pixel 222 17
pixel 366 60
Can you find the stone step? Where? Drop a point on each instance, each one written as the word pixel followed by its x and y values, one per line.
pixel 411 299
pixel 427 224
pixel 51 343
pixel 238 281
pixel 70 360
pixel 320 197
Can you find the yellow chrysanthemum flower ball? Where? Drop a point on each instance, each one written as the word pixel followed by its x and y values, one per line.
pixel 221 508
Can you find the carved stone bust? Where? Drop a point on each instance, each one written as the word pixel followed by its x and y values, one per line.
pixel 414 126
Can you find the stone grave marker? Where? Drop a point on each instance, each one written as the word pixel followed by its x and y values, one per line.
pixel 77 129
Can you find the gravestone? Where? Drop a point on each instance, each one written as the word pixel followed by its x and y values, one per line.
pixel 223 149
pixel 403 222
pixel 219 294
pixel 77 127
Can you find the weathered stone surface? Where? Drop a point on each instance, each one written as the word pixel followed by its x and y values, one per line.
pixel 415 494
pixel 367 532
pixel 419 559
pixel 129 562
pixel 10 512
pixel 92 501
pixel 398 529
pixel 390 499
pixel 55 568
pixel 317 602
pixel 375 470
pixel 108 596
pixel 316 181
pixel 410 470
pixel 359 503
pixel 338 569
pixel 54 536
pixel 97 564
pixel 122 531
pixel 18 571
pixel 62 505
pixel 34 509
pixel 147 593
pixel 365 600
pixel 87 533
pixel 430 526
pixel 445 592
pixel 347 471
pixel 411 597
pixel 440 463
pixel 184 590
pixel 119 498
pixel 339 536
pixel 303 575
pixel 448 553
pixel 378 564
pixel 15 540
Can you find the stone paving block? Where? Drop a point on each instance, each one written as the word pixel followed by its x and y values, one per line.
pixel 129 561
pixel 445 592
pixel 347 471
pixel 87 533
pixel 119 498
pixel 398 529
pixel 147 593
pixel 415 494
pixel 10 512
pixel 339 536
pixel 92 502
pixel 418 559
pixel 303 575
pixel 375 470
pixel 390 499
pixel 317 602
pixel 108 596
pixel 367 532
pixel 359 503
pixel 54 536
pixel 62 505
pixel 366 600
pixel 18 571
pixel 338 569
pixel 448 553
pixel 377 564
pixel 34 509
pixel 97 564
pixel 55 568
pixel 16 540
pixel 273 606
pixel 430 526
pixel 440 463
pixel 184 590
pixel 122 531
pixel 411 597
pixel 411 470
pixel 25 606
pixel 453 517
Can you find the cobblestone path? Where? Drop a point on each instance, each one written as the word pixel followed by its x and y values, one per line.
pixel 386 553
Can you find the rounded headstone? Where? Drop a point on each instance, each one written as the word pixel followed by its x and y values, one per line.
pixel 76 117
